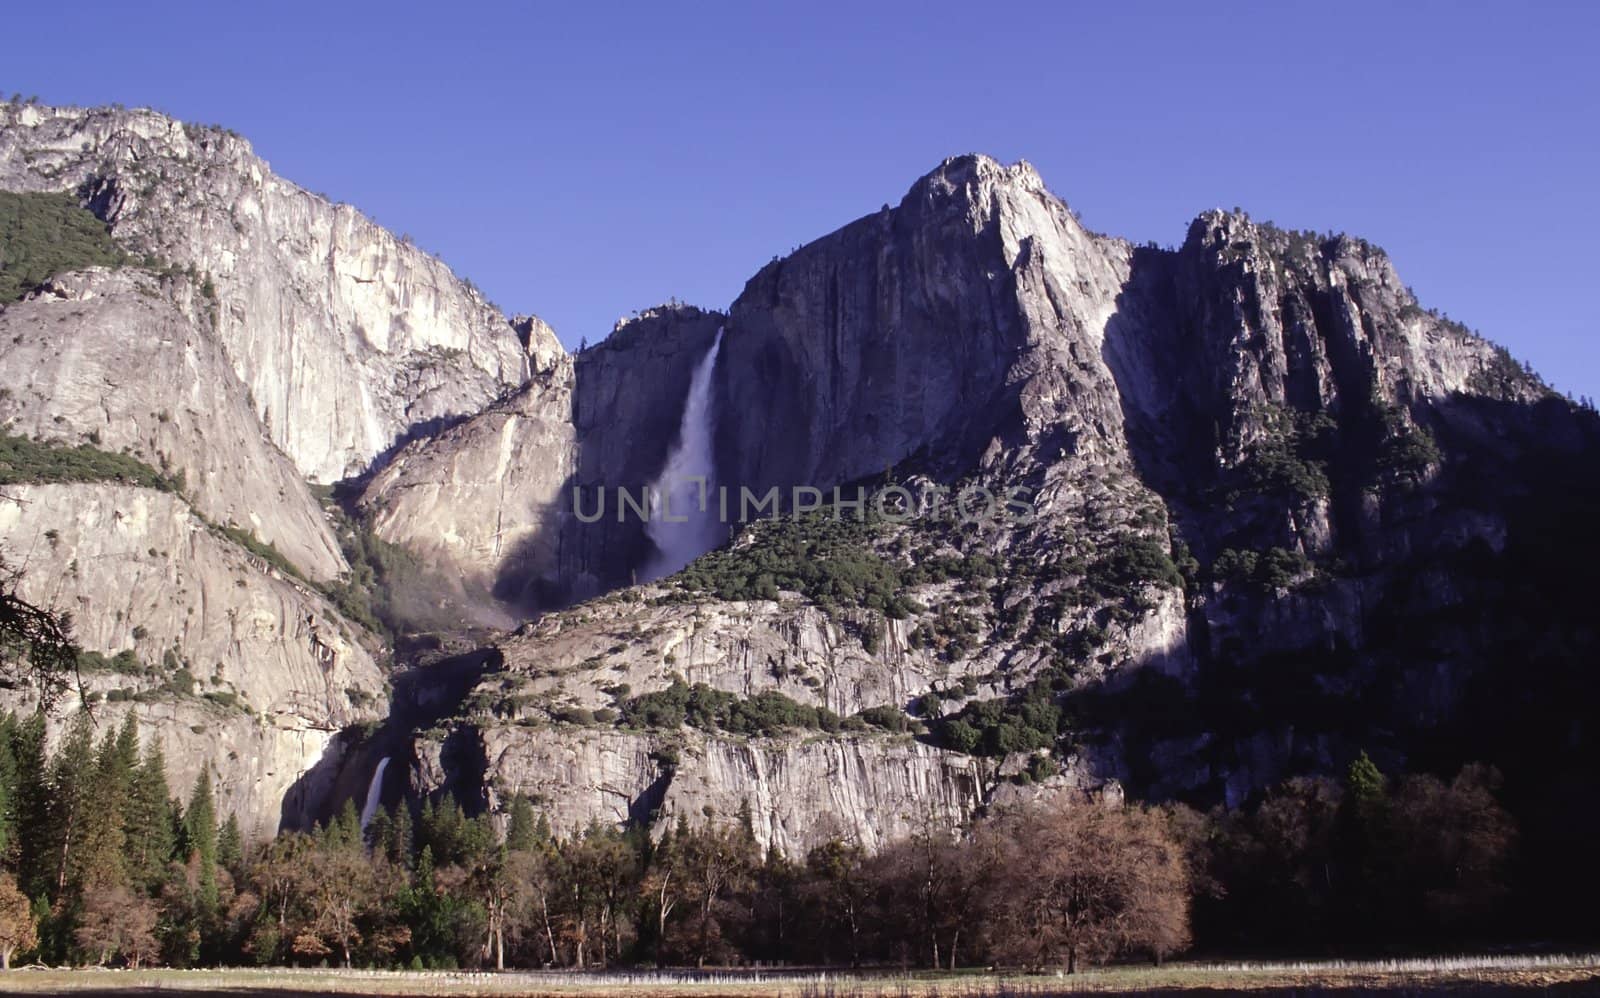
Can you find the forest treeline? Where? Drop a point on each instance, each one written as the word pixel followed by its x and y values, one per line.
pixel 100 864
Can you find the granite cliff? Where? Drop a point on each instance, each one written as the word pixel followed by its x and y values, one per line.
pixel 1280 512
pixel 1253 455
pixel 347 337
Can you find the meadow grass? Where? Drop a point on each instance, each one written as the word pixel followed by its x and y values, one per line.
pixel 1453 975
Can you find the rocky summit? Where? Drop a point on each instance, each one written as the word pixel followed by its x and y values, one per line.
pixel 312 502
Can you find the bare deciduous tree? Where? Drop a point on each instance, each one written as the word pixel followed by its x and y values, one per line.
pixel 116 922
pixel 1085 882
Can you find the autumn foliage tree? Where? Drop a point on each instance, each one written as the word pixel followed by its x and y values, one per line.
pixel 17 931
pixel 117 922
pixel 1085 882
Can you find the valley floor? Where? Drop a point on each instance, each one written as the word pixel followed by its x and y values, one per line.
pixel 1577 975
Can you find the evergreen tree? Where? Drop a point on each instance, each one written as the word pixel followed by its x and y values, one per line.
pixel 72 786
pixel 1364 853
pixel 8 786
pixel 200 821
pixel 31 806
pixel 1364 782
pixel 380 831
pixel 148 821
pixel 344 831
pixel 230 848
pixel 400 846
pixel 521 833
pixel 200 843
pixel 127 746
pixel 101 862
pixel 429 913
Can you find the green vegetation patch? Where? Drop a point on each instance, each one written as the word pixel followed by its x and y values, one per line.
pixel 378 571
pixel 709 709
pixel 37 462
pixel 1029 721
pixel 1274 568
pixel 46 234
pixel 1292 459
pixel 830 561
pixel 261 549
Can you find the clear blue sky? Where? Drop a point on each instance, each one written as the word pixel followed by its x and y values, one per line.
pixel 581 163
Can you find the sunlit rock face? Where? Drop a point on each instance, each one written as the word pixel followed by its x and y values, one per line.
pixel 973 312
pixel 235 668
pixel 485 504
pixel 347 337
pixel 129 359
pixel 799 792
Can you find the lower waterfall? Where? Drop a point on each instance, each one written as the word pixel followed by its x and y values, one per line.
pixel 374 793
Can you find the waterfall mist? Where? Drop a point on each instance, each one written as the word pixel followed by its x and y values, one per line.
pixel 684 489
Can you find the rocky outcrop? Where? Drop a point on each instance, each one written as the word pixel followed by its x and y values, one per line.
pixel 259 336
pixel 799 792
pixel 231 664
pixel 348 338
pixel 127 361
pixel 486 505
pixel 1274 398
pixel 971 314
pixel 847 660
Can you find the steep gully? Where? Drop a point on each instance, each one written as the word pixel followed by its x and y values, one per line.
pixel 681 527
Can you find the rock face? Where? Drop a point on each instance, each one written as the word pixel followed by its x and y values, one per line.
pixel 495 501
pixel 799 792
pixel 231 665
pixel 972 312
pixel 128 359
pixel 347 337
pixel 1274 505
pixel 486 504
pixel 1253 458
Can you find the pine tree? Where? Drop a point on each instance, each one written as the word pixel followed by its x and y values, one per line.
pixel 380 831
pixel 8 786
pixel 148 821
pixel 200 821
pixel 101 862
pixel 1363 850
pixel 127 748
pixel 31 805
pixel 1364 781
pixel 344 831
pixel 444 828
pixel 400 846
pixel 200 841
pixel 72 785
pixel 521 833
pixel 230 847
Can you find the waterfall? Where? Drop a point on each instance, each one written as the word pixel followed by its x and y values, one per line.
pixel 694 528
pixel 374 792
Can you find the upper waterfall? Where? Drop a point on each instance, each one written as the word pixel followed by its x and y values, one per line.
pixel 683 524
